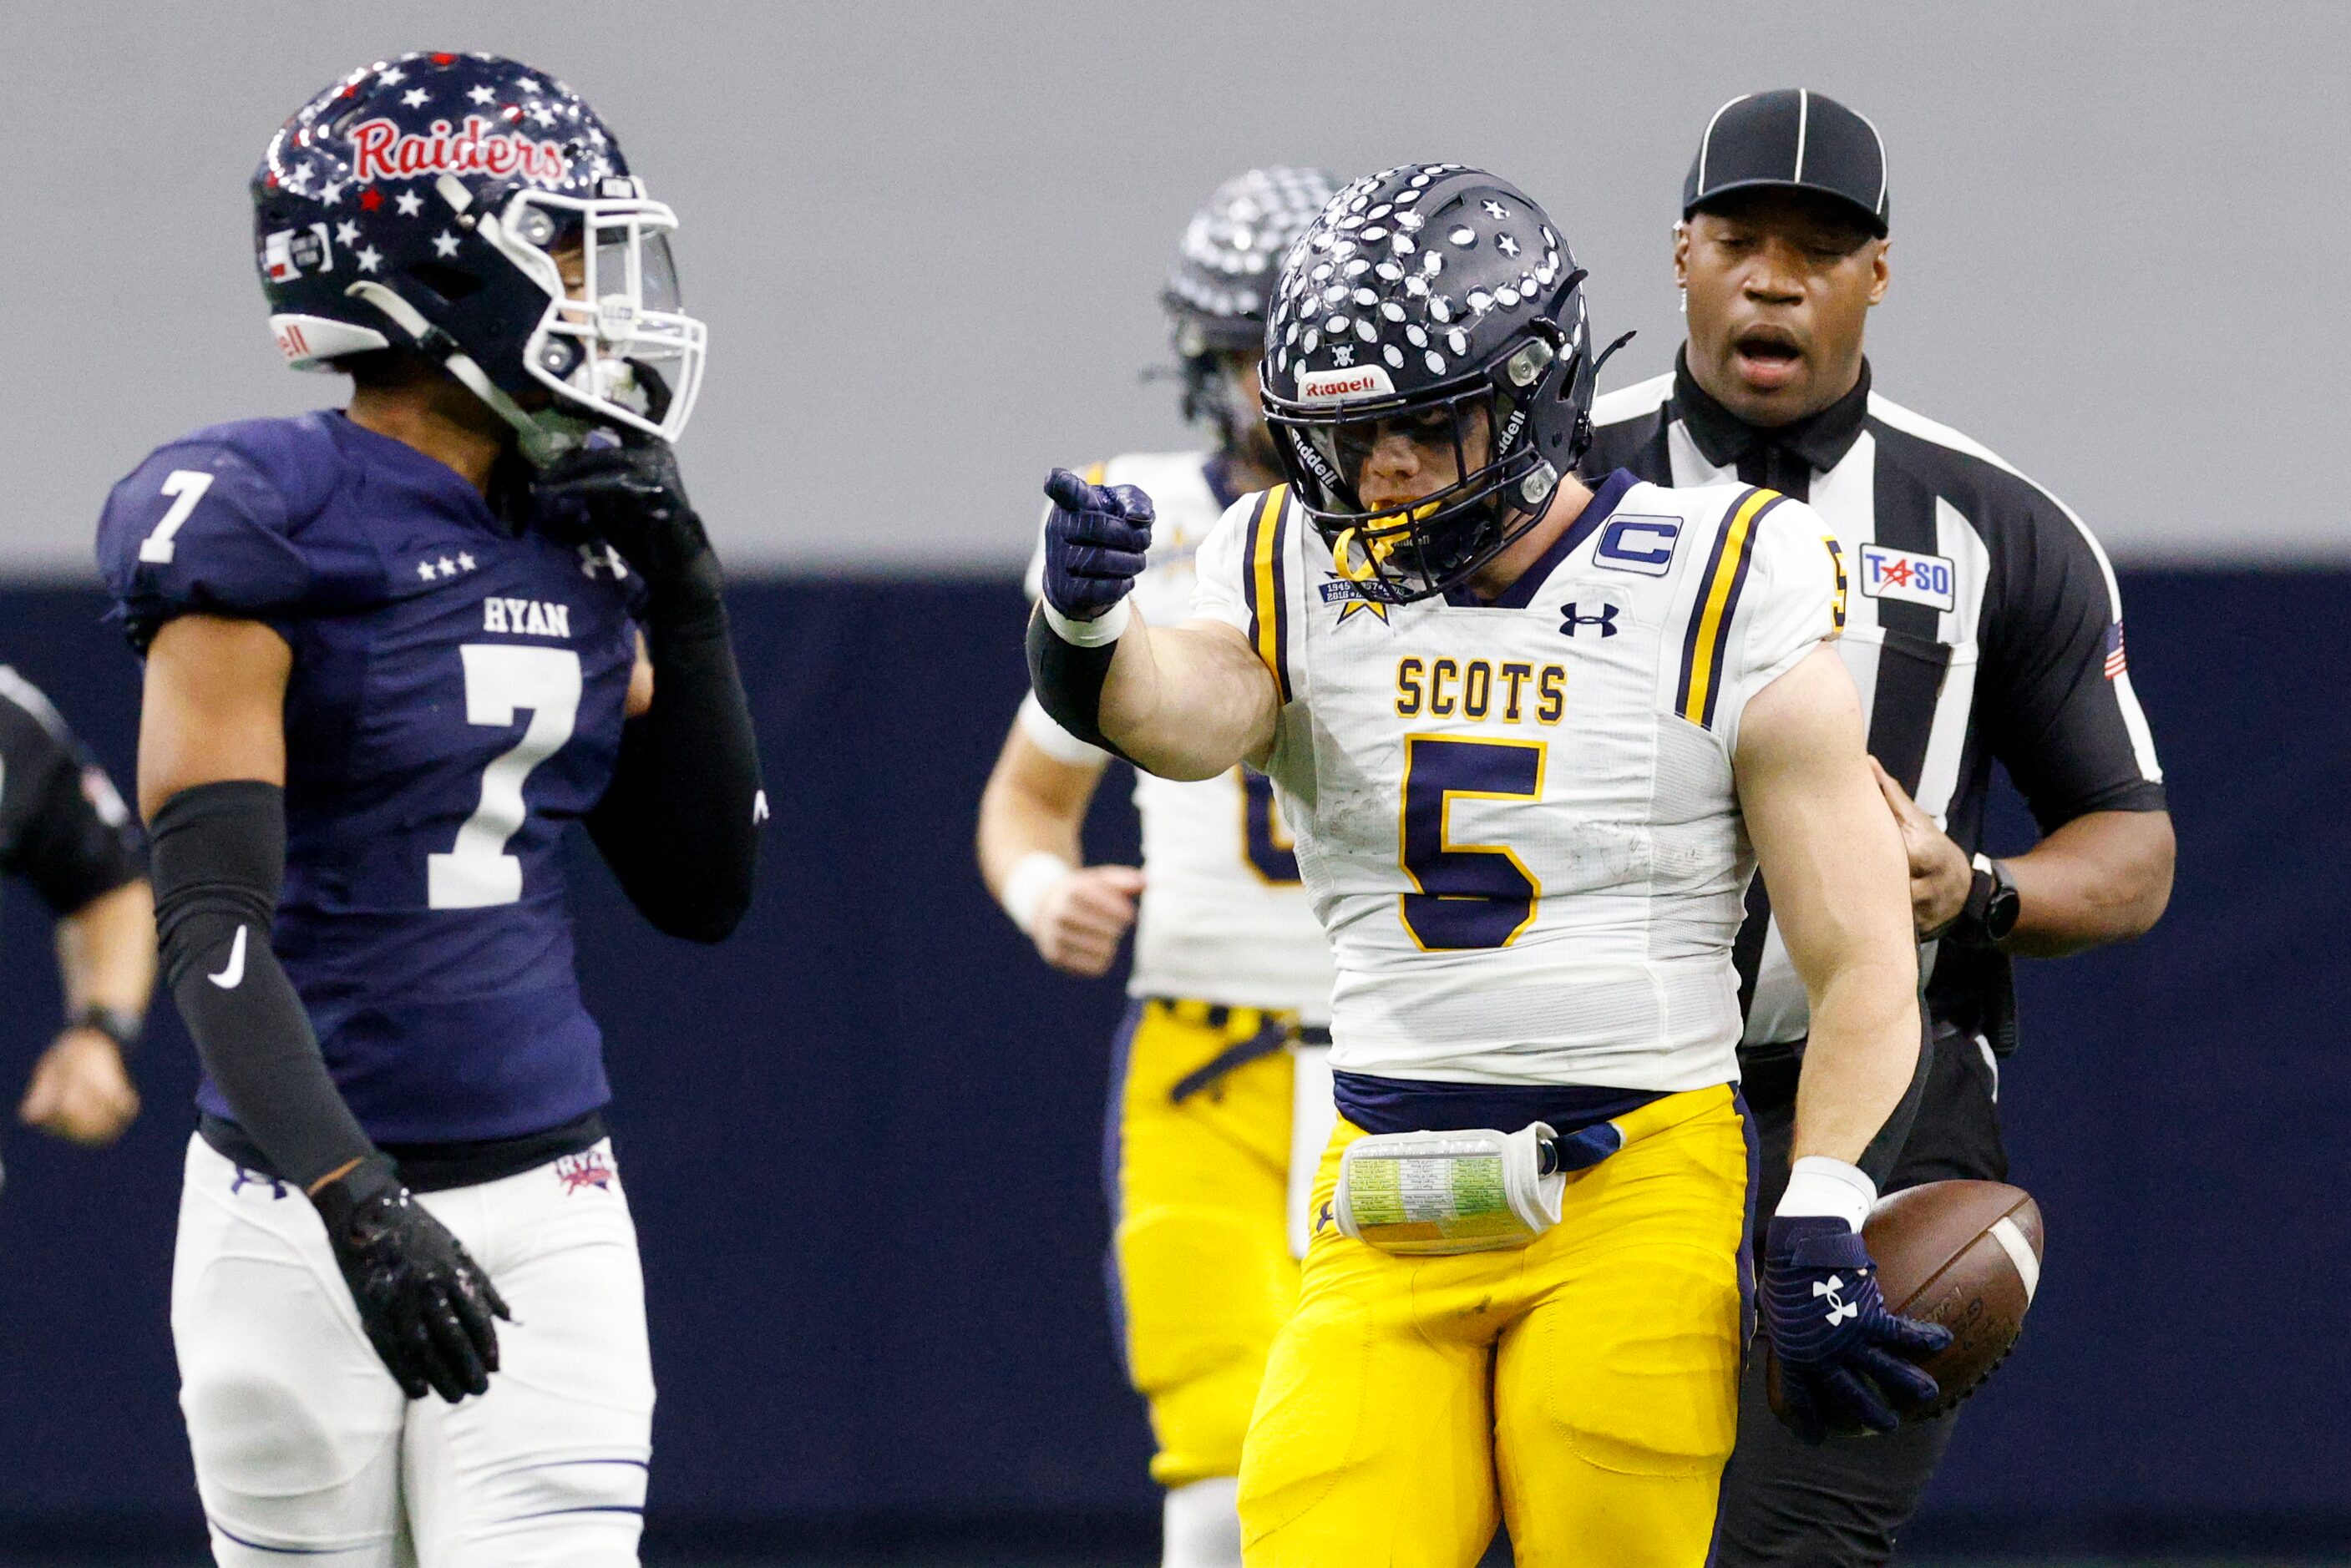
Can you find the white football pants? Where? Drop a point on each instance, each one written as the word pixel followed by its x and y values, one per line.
pixel 305 1445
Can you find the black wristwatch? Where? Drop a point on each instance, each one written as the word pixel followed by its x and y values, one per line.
pixel 1991 911
pixel 122 1028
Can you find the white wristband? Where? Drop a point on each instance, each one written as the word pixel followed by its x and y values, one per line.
pixel 1822 1186
pixel 1032 877
pixel 1105 628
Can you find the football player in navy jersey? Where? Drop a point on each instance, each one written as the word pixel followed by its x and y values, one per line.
pixel 392 651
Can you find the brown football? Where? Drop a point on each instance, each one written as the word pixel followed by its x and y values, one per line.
pixel 1964 1254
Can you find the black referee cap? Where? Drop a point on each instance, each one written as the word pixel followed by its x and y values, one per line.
pixel 1794 139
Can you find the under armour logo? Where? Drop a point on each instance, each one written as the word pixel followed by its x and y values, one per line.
pixel 245 1179
pixel 1572 612
pixel 1321 1218
pixel 1840 1309
pixel 597 557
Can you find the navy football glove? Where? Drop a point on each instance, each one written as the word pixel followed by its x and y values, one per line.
pixel 1839 1347
pixel 1095 543
pixel 425 1303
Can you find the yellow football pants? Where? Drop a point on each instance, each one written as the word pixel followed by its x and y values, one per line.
pixel 1202 1240
pixel 1587 1384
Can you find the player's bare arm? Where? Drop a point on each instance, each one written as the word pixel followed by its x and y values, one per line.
pixel 80 1089
pixel 1835 865
pixel 2105 877
pixel 213 710
pixel 1188 701
pixel 1836 870
pixel 1031 856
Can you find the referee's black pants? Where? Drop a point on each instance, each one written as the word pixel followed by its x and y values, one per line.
pixel 1841 1505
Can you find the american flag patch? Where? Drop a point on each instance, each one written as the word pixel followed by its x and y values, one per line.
pixel 2114 663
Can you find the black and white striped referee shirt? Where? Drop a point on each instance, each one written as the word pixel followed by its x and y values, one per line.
pixel 1983 624
pixel 63 828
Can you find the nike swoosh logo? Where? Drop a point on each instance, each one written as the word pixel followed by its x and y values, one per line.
pixel 230 978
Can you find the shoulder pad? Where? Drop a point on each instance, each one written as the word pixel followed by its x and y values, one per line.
pixel 216 523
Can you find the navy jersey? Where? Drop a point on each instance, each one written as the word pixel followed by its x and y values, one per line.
pixel 455 699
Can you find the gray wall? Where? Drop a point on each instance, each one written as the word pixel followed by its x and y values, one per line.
pixel 928 238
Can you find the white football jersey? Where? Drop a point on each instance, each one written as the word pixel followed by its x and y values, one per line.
pixel 1224 917
pixel 1517 820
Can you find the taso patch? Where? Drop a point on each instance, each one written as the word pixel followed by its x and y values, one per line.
pixel 1636 544
pixel 1914 579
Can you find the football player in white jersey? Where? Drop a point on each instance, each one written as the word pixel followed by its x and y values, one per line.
pixel 1533 741
pixel 1221 1099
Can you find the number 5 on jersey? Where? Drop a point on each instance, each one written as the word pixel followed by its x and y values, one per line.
pixel 1471 895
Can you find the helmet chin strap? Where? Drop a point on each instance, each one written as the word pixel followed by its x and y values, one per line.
pixel 542 437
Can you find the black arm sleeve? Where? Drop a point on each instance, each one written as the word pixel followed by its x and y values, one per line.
pixel 2058 703
pixel 220 860
pixel 680 825
pixel 1069 680
pixel 62 827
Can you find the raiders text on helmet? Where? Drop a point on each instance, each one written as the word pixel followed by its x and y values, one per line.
pixel 1218 291
pixel 1424 296
pixel 433 203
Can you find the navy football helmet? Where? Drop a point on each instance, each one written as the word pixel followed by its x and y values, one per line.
pixel 1421 297
pixel 1219 290
pixel 435 203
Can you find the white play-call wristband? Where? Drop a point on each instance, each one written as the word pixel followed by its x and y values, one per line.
pixel 1105 628
pixel 1822 1186
pixel 1032 877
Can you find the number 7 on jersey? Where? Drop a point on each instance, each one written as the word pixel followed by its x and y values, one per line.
pixel 501 678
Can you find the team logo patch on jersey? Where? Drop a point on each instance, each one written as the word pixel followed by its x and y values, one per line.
pixel 1373 596
pixel 1914 579
pixel 580 1172
pixel 1643 544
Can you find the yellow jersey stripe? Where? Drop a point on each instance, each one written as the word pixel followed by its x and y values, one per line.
pixel 1267 585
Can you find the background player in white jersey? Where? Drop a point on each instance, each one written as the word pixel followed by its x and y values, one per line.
pixel 1534 740
pixel 1220 1093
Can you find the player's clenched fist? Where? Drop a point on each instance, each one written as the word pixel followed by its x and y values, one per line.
pixel 1081 920
pixel 1095 543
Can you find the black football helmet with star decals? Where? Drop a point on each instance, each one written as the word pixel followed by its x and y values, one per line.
pixel 434 203
pixel 1221 286
pixel 1434 296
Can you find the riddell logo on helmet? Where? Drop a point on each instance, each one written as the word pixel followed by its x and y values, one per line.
pixel 381 150
pixel 1336 386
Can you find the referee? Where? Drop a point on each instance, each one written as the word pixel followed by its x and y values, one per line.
pixel 1983 626
pixel 63 830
